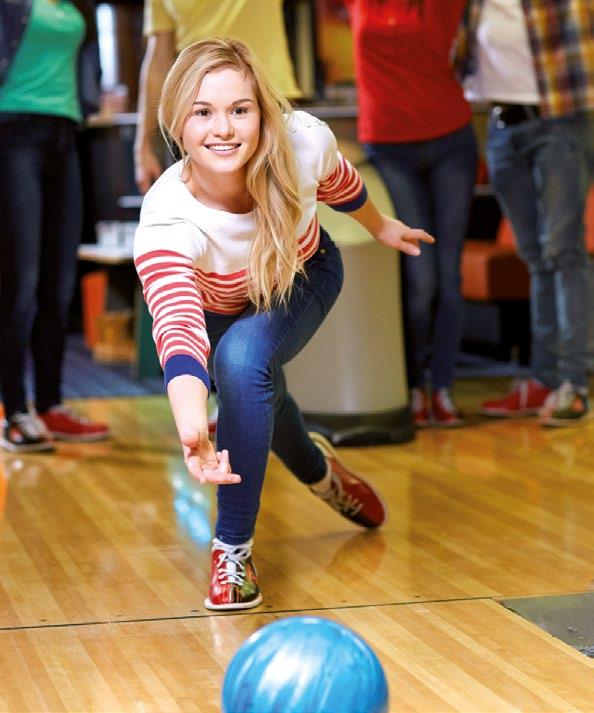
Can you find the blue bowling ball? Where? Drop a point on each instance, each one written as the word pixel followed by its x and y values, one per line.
pixel 305 664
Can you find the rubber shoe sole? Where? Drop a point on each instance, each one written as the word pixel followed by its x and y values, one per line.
pixel 236 605
pixel 27 448
pixel 565 422
pixel 82 438
pixel 519 413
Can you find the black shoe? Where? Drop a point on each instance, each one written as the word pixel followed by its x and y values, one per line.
pixel 25 433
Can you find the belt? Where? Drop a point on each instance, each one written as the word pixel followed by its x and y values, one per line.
pixel 510 114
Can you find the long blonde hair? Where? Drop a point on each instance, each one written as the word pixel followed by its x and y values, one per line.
pixel 271 172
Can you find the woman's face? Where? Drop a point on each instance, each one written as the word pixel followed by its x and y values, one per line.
pixel 222 132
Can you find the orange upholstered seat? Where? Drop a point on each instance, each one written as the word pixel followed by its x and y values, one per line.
pixel 492 270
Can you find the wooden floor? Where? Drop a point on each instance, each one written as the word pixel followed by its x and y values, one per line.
pixel 104 564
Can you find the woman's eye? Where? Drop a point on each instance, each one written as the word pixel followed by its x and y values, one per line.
pixel 240 110
pixel 201 112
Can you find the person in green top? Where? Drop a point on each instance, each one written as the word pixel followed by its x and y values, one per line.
pixel 44 92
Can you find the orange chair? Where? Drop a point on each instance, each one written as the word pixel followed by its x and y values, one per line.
pixel 94 300
pixel 492 270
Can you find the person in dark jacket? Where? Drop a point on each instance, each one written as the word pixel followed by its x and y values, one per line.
pixel 48 83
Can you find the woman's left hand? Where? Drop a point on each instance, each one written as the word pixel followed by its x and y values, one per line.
pixel 203 463
pixel 395 234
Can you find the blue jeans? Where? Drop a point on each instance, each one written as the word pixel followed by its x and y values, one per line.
pixel 256 413
pixel 40 228
pixel 539 171
pixel 431 186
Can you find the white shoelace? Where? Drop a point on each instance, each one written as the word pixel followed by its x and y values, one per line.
pixel 231 561
pixel 339 500
pixel 446 401
pixel 30 426
pixel 561 398
pixel 523 387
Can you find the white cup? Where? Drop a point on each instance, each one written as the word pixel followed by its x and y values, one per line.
pixel 107 233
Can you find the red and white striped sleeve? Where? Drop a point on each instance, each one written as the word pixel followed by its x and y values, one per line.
pixel 164 257
pixel 343 188
pixel 337 181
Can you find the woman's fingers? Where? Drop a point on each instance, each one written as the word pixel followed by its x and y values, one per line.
pixel 223 473
pixel 205 474
pixel 409 241
pixel 195 469
pixel 215 476
pixel 207 468
pixel 224 465
pixel 396 234
pixel 415 234
pixel 410 249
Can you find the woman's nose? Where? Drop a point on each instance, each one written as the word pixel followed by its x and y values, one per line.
pixel 222 125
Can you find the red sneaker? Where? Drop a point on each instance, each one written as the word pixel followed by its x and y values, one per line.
pixel 526 398
pixel 419 405
pixel 349 494
pixel 444 411
pixel 67 425
pixel 233 578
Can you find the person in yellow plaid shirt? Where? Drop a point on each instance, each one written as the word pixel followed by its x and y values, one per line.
pixel 532 61
pixel 172 25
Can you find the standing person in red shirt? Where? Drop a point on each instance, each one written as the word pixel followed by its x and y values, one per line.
pixel 415 126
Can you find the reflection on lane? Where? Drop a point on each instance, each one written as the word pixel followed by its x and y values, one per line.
pixel 193 505
pixel 28 470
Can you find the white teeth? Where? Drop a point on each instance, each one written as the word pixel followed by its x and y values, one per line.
pixel 223 147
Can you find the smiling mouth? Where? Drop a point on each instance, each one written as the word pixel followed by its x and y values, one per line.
pixel 222 148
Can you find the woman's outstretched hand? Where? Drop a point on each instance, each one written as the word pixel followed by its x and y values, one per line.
pixel 188 398
pixel 204 463
pixel 389 231
pixel 395 234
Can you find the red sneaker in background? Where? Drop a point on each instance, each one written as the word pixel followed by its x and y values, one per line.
pixel 213 418
pixel 419 406
pixel 444 411
pixel 526 398
pixel 64 424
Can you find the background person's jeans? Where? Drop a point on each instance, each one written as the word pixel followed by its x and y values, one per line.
pixel 431 184
pixel 256 413
pixel 40 228
pixel 539 172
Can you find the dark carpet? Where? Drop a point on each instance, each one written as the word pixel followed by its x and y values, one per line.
pixel 84 377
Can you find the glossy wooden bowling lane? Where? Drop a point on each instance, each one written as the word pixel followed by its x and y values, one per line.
pixel 116 532
pixel 438 657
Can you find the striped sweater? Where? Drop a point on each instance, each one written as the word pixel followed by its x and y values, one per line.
pixel 192 258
